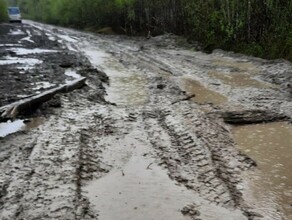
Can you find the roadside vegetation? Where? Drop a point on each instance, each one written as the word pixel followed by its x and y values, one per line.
pixel 3 10
pixel 261 28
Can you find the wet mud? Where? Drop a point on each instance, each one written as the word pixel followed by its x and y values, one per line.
pixel 270 185
pixel 130 144
pixel 33 63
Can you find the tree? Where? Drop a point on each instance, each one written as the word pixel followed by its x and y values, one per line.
pixel 261 27
pixel 3 10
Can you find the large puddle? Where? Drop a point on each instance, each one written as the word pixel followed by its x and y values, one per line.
pixel 203 95
pixel 137 188
pixel 269 186
pixel 237 79
pixel 236 65
pixel 138 193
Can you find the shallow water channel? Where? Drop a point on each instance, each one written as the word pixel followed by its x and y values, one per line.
pixel 270 185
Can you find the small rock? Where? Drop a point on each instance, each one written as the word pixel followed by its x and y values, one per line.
pixel 66 65
pixel 25 121
pixel 161 86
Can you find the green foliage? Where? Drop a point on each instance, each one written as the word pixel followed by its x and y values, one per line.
pixel 263 27
pixel 3 10
pixel 253 49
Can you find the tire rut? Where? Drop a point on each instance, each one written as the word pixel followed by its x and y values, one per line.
pixel 198 156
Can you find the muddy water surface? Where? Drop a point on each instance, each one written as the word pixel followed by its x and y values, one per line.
pixel 34 123
pixel 203 95
pixel 11 127
pixel 127 86
pixel 237 79
pixel 139 193
pixel 270 185
pixel 137 188
pixel 236 65
pixel 126 89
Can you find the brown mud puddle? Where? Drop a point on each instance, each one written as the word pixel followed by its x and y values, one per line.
pixel 269 186
pixel 203 95
pixel 240 66
pixel 237 79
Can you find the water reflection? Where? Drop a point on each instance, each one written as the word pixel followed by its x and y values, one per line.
pixel 11 127
pixel 270 145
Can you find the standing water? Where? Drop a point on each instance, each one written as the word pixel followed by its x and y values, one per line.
pixel 127 84
pixel 126 89
pixel 203 95
pixel 270 185
pixel 11 127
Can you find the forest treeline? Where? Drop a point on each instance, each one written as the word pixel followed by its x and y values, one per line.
pixel 3 10
pixel 258 27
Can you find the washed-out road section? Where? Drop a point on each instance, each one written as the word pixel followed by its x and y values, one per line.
pixel 146 137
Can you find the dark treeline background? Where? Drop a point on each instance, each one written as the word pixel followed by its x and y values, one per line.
pixel 258 27
pixel 3 10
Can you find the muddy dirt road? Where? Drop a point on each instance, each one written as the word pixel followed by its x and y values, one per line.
pixel 159 131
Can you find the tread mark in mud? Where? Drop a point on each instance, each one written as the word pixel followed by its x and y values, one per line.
pixel 206 170
pixel 196 162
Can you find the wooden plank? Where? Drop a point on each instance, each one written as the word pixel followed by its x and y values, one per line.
pixel 12 110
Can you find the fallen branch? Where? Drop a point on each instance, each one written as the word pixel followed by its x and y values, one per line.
pixel 12 110
pixel 148 167
pixel 166 70
pixel 184 99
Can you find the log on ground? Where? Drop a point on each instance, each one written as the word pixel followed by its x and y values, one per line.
pixel 251 116
pixel 12 110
